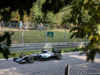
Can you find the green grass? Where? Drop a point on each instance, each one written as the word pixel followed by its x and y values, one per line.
pixel 35 36
pixel 30 52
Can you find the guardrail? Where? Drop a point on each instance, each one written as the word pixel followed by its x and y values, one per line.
pixel 38 46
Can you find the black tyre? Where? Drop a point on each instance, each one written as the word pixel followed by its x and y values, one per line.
pixel 15 59
pixel 30 59
pixel 59 56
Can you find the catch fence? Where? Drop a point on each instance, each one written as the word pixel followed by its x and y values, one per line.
pixel 84 69
pixel 34 33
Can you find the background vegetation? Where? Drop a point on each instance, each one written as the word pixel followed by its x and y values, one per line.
pixel 36 15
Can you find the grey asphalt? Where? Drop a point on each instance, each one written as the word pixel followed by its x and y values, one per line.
pixel 49 67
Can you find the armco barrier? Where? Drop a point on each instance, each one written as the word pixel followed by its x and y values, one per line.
pixel 38 46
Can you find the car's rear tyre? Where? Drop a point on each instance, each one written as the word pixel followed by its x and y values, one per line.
pixel 30 59
pixel 59 56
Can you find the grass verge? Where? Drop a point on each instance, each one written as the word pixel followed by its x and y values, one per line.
pixel 36 36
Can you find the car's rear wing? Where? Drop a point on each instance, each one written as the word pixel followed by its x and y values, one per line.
pixel 54 50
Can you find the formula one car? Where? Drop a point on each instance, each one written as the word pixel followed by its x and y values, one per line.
pixel 43 55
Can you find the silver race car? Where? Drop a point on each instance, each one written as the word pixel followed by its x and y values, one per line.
pixel 43 55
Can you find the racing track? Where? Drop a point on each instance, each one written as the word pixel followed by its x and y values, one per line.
pixel 49 67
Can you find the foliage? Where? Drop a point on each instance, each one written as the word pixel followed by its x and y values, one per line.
pixel 36 14
pixel 63 15
pixel 5 42
pixel 15 16
pixel 26 17
pixel 59 18
pixel 7 6
pixel 86 16
pixel 54 5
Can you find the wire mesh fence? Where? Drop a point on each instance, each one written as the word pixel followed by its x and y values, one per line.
pixel 35 33
pixel 15 26
pixel 85 69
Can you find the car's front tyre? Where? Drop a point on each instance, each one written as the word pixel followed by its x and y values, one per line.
pixel 30 59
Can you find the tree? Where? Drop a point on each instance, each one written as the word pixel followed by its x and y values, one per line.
pixel 7 6
pixel 36 14
pixel 63 15
pixel 5 39
pixel 54 5
pixel 26 17
pixel 51 18
pixel 59 18
pixel 15 16
pixel 86 15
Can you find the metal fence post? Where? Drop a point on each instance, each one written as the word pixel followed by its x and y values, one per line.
pixel 22 35
pixel 46 36
pixel 67 69
pixel 65 35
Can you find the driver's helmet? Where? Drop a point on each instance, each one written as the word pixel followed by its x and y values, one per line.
pixel 54 49
pixel 44 51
